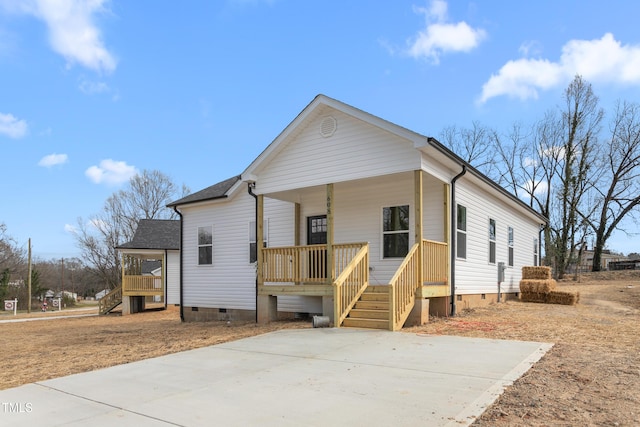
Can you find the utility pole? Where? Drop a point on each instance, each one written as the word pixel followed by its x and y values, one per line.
pixel 29 280
pixel 62 281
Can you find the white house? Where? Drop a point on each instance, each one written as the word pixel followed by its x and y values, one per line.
pixel 150 268
pixel 350 216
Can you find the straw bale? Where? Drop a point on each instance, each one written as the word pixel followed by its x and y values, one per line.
pixel 534 297
pixel 536 273
pixel 542 286
pixel 564 298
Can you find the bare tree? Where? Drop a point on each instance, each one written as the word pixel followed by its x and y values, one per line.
pixel 581 126
pixel 145 197
pixel 475 145
pixel 618 188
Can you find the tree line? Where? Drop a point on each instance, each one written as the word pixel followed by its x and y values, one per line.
pixel 577 166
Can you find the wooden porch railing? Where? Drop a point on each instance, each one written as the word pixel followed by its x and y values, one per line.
pixel 435 262
pixel 110 300
pixel 305 264
pixel 350 284
pixel 402 289
pixel 142 285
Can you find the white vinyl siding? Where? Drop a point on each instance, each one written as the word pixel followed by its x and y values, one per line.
pixel 230 281
pixel 173 277
pixel 355 151
pixel 475 275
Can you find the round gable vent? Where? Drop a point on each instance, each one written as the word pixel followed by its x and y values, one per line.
pixel 328 126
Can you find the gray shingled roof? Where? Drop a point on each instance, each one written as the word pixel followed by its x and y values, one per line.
pixel 216 191
pixel 155 234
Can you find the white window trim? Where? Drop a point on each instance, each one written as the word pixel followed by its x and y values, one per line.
pixel 383 233
pixel 265 236
pixel 511 251
pixel 458 230
pixel 198 245
pixel 494 241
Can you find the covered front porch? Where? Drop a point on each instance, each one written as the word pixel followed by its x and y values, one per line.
pixel 142 283
pixel 341 272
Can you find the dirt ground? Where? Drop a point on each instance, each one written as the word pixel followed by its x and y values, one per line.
pixel 591 377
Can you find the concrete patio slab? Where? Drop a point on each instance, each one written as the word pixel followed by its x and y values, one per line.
pixel 296 377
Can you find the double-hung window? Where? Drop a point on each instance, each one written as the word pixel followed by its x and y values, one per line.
pixel 395 231
pixel 205 245
pixel 253 244
pixel 510 244
pixel 461 234
pixel 492 241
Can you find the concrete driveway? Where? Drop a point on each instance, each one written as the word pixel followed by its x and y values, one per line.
pixel 311 377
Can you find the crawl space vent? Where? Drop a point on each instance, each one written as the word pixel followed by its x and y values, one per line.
pixel 328 126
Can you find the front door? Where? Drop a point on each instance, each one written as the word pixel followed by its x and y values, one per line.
pixel 317 235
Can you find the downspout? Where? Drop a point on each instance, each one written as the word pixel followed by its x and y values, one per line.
pixel 454 229
pixel 250 187
pixel 165 278
pixel 181 263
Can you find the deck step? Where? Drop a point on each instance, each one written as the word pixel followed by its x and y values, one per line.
pixel 369 314
pixel 366 323
pixel 372 305
pixel 374 296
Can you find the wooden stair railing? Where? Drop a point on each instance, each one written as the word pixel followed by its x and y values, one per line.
pixel 402 289
pixel 350 284
pixel 110 300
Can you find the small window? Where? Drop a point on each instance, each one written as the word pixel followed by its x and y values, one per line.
pixel 492 241
pixel 253 245
pixel 461 235
pixel 205 245
pixel 535 252
pixel 395 231
pixel 510 243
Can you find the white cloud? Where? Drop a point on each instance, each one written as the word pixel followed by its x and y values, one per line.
pixel 70 228
pixel 92 88
pixel 600 60
pixel 52 160
pixel 72 31
pixel 441 36
pixel 12 127
pixel 111 172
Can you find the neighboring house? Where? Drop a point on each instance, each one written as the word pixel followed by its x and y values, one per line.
pixel 356 218
pixel 150 267
pixel 102 293
pixel 586 261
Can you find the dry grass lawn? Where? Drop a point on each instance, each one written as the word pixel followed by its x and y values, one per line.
pixel 591 377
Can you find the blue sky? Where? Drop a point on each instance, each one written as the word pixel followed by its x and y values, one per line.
pixel 92 91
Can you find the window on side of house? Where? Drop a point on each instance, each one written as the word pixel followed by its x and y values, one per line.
pixel 461 234
pixel 535 252
pixel 510 244
pixel 205 245
pixel 395 231
pixel 253 244
pixel 492 241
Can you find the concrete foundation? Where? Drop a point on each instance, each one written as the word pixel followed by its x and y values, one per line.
pixel 131 305
pixel 207 314
pixel 419 313
pixel 327 308
pixel 267 308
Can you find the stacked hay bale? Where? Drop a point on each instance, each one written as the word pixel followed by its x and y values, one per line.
pixel 538 286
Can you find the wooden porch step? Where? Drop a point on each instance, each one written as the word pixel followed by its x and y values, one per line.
pixel 372 305
pixel 369 314
pixel 366 323
pixel 374 296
